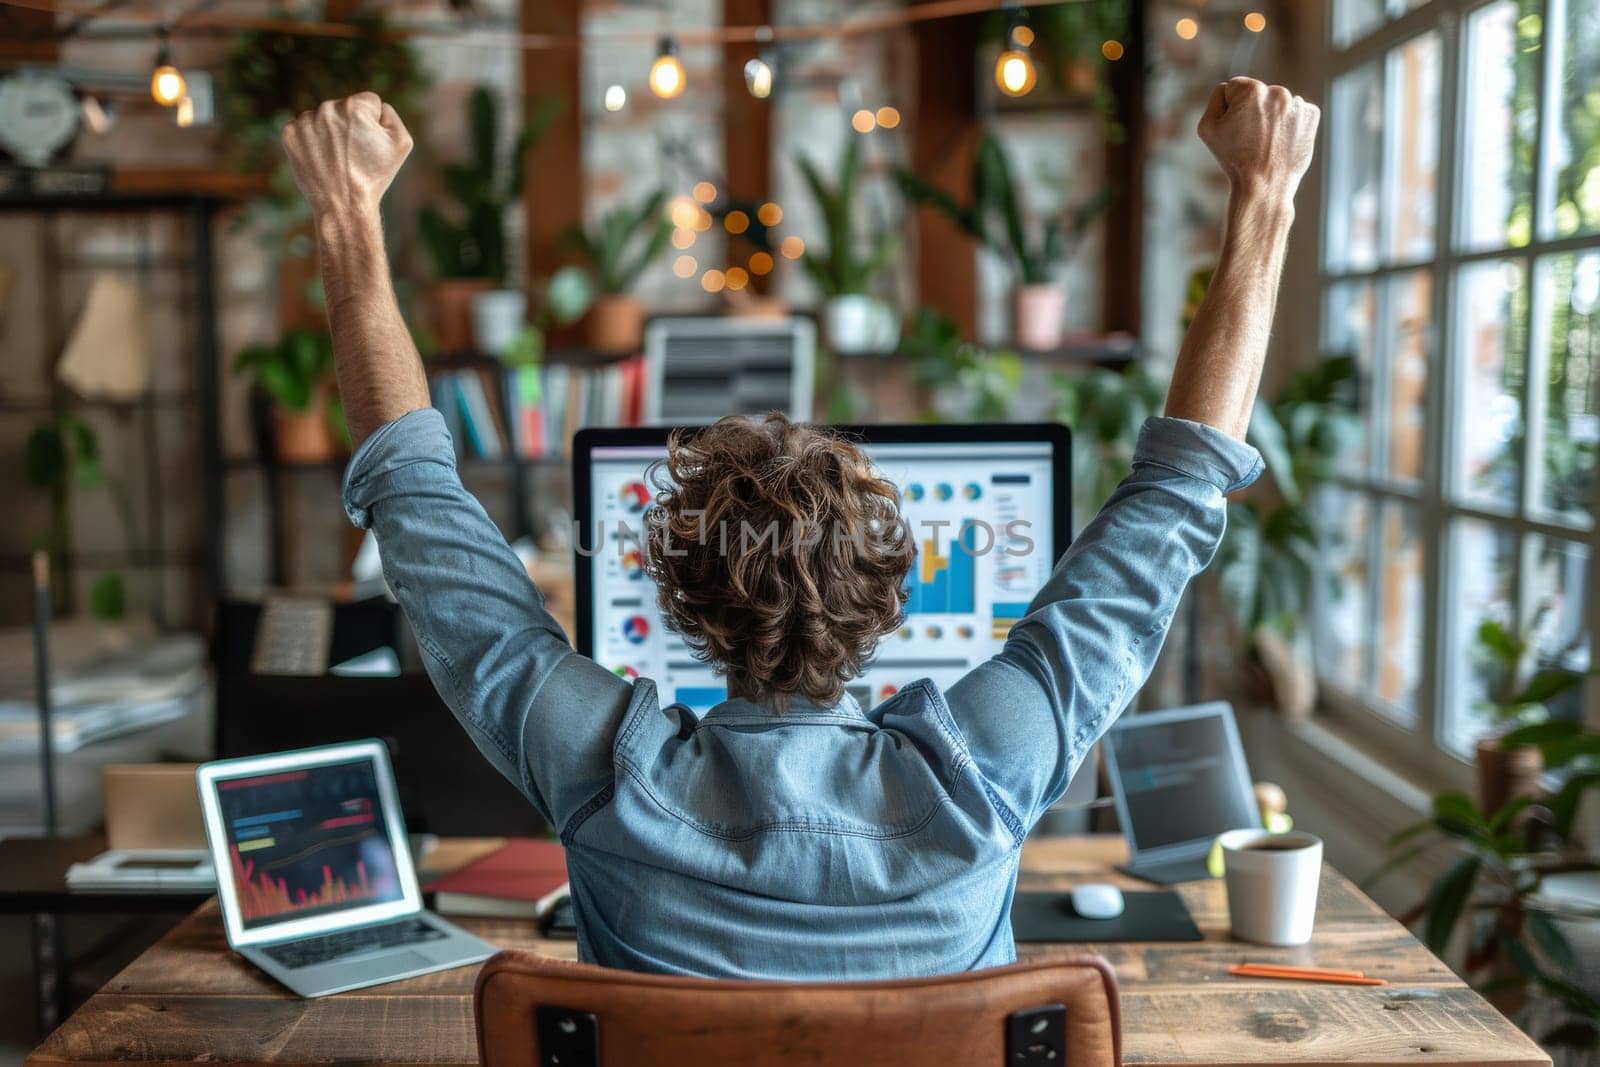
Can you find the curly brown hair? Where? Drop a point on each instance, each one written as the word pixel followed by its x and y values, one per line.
pixel 779 555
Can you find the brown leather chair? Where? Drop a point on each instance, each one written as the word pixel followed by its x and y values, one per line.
pixel 538 1012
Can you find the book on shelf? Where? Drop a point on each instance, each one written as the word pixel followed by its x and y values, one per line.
pixel 532 411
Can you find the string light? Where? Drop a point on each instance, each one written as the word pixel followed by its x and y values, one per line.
pixel 705 192
pixel 792 248
pixel 666 73
pixel 863 121
pixel 702 220
pixel 1255 22
pixel 736 222
pixel 888 117
pixel 683 213
pixel 758 77
pixel 185 112
pixel 769 213
pixel 1186 28
pixel 685 266
pixel 761 263
pixel 737 278
pixel 1112 50
pixel 166 81
pixel 616 98
pixel 1014 72
pixel 713 280
pixel 682 238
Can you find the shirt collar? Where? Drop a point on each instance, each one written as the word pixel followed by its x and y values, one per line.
pixel 737 711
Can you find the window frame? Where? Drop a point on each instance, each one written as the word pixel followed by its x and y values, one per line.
pixel 1436 496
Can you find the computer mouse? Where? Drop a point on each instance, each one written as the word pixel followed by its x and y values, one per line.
pixel 1096 900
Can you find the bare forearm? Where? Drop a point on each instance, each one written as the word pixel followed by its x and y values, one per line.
pixel 380 374
pixel 1219 366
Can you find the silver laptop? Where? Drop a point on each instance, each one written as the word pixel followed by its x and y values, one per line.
pixel 314 872
pixel 1179 779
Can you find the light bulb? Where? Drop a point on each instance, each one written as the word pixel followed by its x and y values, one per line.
pixel 1014 72
pixel 616 98
pixel 1255 22
pixel 166 81
pixel 758 77
pixel 666 73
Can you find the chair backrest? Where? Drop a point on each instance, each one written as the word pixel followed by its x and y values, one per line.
pixel 533 1011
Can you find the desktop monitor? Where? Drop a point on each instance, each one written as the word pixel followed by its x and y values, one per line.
pixel 988 506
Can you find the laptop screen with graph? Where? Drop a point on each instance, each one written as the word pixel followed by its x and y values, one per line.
pixel 307 841
pixel 987 507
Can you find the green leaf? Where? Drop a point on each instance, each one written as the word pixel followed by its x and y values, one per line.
pixel 1266 433
pixel 482 123
pixel 108 598
pixel 1508 813
pixel 1547 685
pixel 1566 803
pixel 44 457
pixel 1540 733
pixel 1505 646
pixel 1446 901
pixel 1457 809
pixel 1551 941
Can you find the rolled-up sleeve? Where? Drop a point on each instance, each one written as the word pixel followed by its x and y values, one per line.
pixel 1090 637
pixel 544 716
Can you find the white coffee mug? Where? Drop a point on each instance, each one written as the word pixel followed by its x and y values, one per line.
pixel 1272 885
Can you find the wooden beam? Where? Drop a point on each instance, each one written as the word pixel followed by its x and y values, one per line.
pixel 1121 306
pixel 553 193
pixel 944 145
pixel 28 35
pixel 746 125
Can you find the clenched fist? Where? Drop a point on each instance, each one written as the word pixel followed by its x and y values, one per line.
pixel 1262 136
pixel 346 152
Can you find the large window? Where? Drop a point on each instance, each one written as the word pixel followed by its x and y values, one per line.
pixel 1461 270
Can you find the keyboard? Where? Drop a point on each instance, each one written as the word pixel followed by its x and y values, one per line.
pixel 342 943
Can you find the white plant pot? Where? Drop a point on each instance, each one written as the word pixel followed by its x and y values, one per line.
pixel 858 325
pixel 1041 314
pixel 498 316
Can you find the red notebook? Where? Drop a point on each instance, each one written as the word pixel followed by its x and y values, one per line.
pixel 524 878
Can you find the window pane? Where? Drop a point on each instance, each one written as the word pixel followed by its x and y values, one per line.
pixel 1502 119
pixel 1577 161
pixel 1492 369
pixel 1409 314
pixel 1344 633
pixel 1481 569
pixel 1559 588
pixel 1400 611
pixel 1353 19
pixel 1572 399
pixel 1352 328
pixel 1355 152
pixel 1414 148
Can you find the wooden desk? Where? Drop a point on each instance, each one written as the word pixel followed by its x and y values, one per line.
pixel 189 999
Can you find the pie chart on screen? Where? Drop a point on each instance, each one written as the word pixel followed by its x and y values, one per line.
pixel 635 497
pixel 633 565
pixel 636 628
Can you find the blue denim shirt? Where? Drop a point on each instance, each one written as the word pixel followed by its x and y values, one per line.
pixel 826 842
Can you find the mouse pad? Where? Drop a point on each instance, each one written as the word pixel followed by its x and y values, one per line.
pixel 1155 916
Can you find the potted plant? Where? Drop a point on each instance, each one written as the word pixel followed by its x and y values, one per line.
pixel 996 218
pixel 471 307
pixel 296 374
pixel 63 454
pixel 1506 885
pixel 855 322
pixel 1508 765
pixel 963 381
pixel 625 241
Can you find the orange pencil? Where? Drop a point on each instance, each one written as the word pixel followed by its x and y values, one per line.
pixel 1245 970
pixel 1310 972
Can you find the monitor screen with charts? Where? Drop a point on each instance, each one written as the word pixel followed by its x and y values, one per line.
pixel 986 505
pixel 303 840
